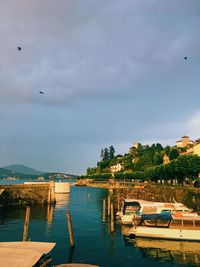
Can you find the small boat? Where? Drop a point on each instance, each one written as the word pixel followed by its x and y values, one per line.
pixel 166 226
pixel 132 208
pixel 25 254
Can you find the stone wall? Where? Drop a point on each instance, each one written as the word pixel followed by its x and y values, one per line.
pixel 27 194
pixel 188 196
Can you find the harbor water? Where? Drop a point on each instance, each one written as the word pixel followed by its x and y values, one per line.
pixel 94 243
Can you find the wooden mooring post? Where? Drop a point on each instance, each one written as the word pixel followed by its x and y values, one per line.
pixel 71 236
pixel 118 203
pixel 104 211
pixel 112 225
pixel 108 205
pixel 26 223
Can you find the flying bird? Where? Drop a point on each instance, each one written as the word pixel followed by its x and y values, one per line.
pixel 19 48
pixel 41 92
pixel 185 58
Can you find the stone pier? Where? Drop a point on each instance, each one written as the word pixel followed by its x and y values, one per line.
pixel 27 194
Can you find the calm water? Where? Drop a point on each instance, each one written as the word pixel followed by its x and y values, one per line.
pixel 94 243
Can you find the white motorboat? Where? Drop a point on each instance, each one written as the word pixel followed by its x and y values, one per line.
pixel 132 208
pixel 128 210
pixel 166 226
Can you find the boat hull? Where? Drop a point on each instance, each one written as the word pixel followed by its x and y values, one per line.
pixel 127 219
pixel 166 233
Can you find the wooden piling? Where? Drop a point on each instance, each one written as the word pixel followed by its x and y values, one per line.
pixel 118 203
pixel 108 205
pixel 26 223
pixel 112 226
pixel 71 236
pixel 104 210
pixel 52 192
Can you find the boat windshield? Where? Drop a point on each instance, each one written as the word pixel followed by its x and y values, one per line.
pixel 131 207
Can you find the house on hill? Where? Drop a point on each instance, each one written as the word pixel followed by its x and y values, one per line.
pixel 116 168
pixel 190 147
pixel 166 159
pixel 184 142
pixel 194 150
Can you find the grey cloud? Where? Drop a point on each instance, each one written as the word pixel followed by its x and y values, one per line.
pixel 81 49
pixel 115 67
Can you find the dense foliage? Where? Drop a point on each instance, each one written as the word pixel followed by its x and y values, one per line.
pixel 146 163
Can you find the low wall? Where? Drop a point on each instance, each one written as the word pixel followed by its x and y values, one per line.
pixel 27 194
pixel 188 196
pixel 62 187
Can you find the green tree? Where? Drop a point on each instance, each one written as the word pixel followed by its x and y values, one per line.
pixel 159 147
pixel 102 154
pixel 106 154
pixel 111 152
pixel 158 158
pixel 186 166
pixel 167 150
pixel 173 153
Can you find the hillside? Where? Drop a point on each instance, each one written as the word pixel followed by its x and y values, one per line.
pixel 22 169
pixel 24 172
pixel 153 163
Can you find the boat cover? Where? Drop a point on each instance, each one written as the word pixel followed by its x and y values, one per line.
pixel 156 216
pixel 23 254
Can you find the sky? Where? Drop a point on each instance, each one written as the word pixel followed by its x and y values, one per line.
pixel 112 72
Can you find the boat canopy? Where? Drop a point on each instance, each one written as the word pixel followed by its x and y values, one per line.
pixel 156 216
pixel 135 205
pixel 23 254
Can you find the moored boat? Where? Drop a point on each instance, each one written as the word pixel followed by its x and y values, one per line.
pixel 132 208
pixel 25 254
pixel 166 226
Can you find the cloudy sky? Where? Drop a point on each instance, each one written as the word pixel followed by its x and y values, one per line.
pixel 112 72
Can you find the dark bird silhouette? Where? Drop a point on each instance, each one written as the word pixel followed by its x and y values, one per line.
pixel 185 58
pixel 19 48
pixel 41 92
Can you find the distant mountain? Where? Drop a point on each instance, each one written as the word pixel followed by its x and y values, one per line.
pixel 22 169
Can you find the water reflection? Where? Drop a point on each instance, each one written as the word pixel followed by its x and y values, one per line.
pixel 50 215
pixel 7 214
pixel 62 201
pixel 125 229
pixel 165 250
pixel 43 212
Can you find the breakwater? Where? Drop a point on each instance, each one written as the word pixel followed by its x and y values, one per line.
pixel 27 194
